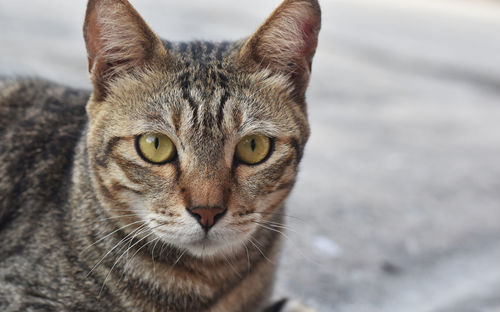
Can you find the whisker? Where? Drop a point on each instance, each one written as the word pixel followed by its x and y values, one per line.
pixel 127 261
pixel 248 257
pixel 279 214
pixel 271 229
pixel 116 217
pixel 164 245
pixel 291 241
pixel 177 261
pixel 101 239
pixel 108 218
pixel 258 243
pixel 150 242
pixel 117 260
pixel 273 222
pixel 265 257
pixel 276 225
pixel 130 240
pixel 231 266
pixel 153 256
pixel 229 262
pixel 114 247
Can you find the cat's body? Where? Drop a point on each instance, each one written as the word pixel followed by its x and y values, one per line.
pixel 87 223
pixel 40 124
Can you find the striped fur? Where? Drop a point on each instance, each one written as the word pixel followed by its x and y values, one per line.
pixel 87 225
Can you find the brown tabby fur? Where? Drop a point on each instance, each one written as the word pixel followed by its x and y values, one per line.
pixel 87 225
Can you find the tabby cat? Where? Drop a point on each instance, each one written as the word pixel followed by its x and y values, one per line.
pixel 163 188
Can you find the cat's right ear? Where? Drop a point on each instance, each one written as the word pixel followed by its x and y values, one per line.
pixel 118 41
pixel 286 42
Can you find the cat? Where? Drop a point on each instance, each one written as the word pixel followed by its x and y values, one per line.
pixel 163 188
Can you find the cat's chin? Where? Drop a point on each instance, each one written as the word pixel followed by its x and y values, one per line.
pixel 210 248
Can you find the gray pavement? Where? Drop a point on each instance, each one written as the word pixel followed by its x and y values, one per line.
pixel 397 207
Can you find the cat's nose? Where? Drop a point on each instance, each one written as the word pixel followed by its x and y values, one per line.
pixel 207 216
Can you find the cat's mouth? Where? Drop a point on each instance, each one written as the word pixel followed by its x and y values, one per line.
pixel 196 238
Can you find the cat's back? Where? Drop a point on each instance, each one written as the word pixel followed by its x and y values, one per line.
pixel 39 125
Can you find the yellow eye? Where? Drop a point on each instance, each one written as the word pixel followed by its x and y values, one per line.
pixel 253 149
pixel 156 148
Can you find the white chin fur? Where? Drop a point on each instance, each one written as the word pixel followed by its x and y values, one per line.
pixel 212 248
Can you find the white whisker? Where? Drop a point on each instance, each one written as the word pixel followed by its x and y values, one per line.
pixel 290 240
pixel 114 247
pixel 117 260
pixel 177 261
pixel 248 257
pixel 229 262
pixel 262 253
pixel 99 240
pixel 276 225
pixel 279 214
pixel 153 255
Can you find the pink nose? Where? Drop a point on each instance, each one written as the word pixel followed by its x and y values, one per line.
pixel 207 216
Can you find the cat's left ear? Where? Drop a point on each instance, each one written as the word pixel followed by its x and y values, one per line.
pixel 118 41
pixel 287 41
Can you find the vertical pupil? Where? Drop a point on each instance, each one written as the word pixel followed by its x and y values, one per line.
pixel 252 145
pixel 157 142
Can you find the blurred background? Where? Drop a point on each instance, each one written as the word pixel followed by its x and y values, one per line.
pixel 397 206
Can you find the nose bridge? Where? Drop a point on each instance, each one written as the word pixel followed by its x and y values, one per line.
pixel 207 187
pixel 206 193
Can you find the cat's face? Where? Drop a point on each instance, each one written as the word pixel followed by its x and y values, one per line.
pixel 195 145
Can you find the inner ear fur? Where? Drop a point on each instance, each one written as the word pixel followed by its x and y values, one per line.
pixel 118 41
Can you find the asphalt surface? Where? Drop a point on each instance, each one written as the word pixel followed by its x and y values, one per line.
pixel 397 206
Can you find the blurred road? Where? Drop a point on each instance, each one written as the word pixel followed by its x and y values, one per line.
pixel 397 207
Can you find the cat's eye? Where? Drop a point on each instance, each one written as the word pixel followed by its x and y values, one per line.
pixel 253 149
pixel 156 148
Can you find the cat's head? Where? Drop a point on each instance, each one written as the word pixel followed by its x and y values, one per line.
pixel 197 144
